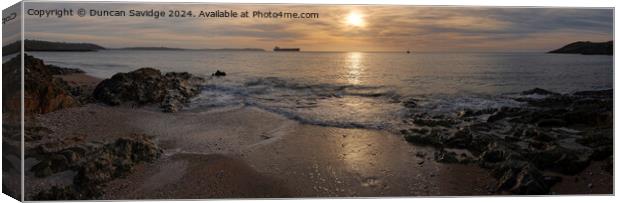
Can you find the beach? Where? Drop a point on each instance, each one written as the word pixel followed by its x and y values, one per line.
pixel 247 145
pixel 139 135
pixel 247 152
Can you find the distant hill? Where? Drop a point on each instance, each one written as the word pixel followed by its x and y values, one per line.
pixel 37 45
pixel 587 48
pixel 151 48
pixel 182 49
pixel 233 49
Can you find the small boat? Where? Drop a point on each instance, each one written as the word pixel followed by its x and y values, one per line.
pixel 285 49
pixel 408 52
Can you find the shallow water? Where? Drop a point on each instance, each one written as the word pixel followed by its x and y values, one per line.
pixel 365 90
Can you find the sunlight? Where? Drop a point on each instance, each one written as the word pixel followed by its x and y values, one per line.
pixel 355 19
pixel 354 66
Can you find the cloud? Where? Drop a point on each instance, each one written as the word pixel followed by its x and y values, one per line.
pixel 387 28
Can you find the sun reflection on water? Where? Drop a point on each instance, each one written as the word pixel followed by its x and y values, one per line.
pixel 354 64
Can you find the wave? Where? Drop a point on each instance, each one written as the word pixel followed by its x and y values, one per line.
pixel 336 105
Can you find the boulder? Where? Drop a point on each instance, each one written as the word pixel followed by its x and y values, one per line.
pixel 149 86
pixel 219 73
pixel 43 93
pixel 96 164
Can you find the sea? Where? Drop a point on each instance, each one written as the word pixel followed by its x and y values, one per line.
pixel 355 89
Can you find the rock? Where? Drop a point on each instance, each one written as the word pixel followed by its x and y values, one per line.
pixel 58 193
pixel 431 122
pixel 521 178
pixel 219 73
pixel 600 142
pixel 95 165
pixel 502 113
pixel 443 156
pixel 561 133
pixel 592 117
pixel 538 91
pixel 608 93
pixel 116 159
pixel 142 86
pixel 500 152
pixel 42 169
pixel 472 113
pixel 149 86
pixel 551 123
pixel 43 93
pixel 423 139
pixel 561 159
pixel 459 139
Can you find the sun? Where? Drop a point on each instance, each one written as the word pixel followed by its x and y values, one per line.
pixel 355 19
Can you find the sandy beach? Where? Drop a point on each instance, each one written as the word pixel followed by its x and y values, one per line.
pixel 284 157
pixel 248 152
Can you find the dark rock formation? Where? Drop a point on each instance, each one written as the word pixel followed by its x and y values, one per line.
pixel 587 48
pixel 539 92
pixel 562 133
pixel 95 164
pixel 43 92
pixel 219 73
pixel 149 86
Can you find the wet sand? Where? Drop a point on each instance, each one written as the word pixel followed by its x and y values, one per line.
pixel 80 79
pixel 249 152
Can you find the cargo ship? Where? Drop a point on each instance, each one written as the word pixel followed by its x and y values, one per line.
pixel 285 49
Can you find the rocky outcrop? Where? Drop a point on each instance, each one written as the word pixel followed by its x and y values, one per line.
pixel 43 92
pixel 219 73
pixel 95 164
pixel 587 48
pixel 149 86
pixel 555 132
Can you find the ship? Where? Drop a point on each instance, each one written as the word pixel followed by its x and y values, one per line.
pixel 285 49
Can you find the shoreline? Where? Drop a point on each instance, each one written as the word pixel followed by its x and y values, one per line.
pixel 291 158
pixel 309 161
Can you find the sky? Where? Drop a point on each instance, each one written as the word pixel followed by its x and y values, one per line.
pixel 338 28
